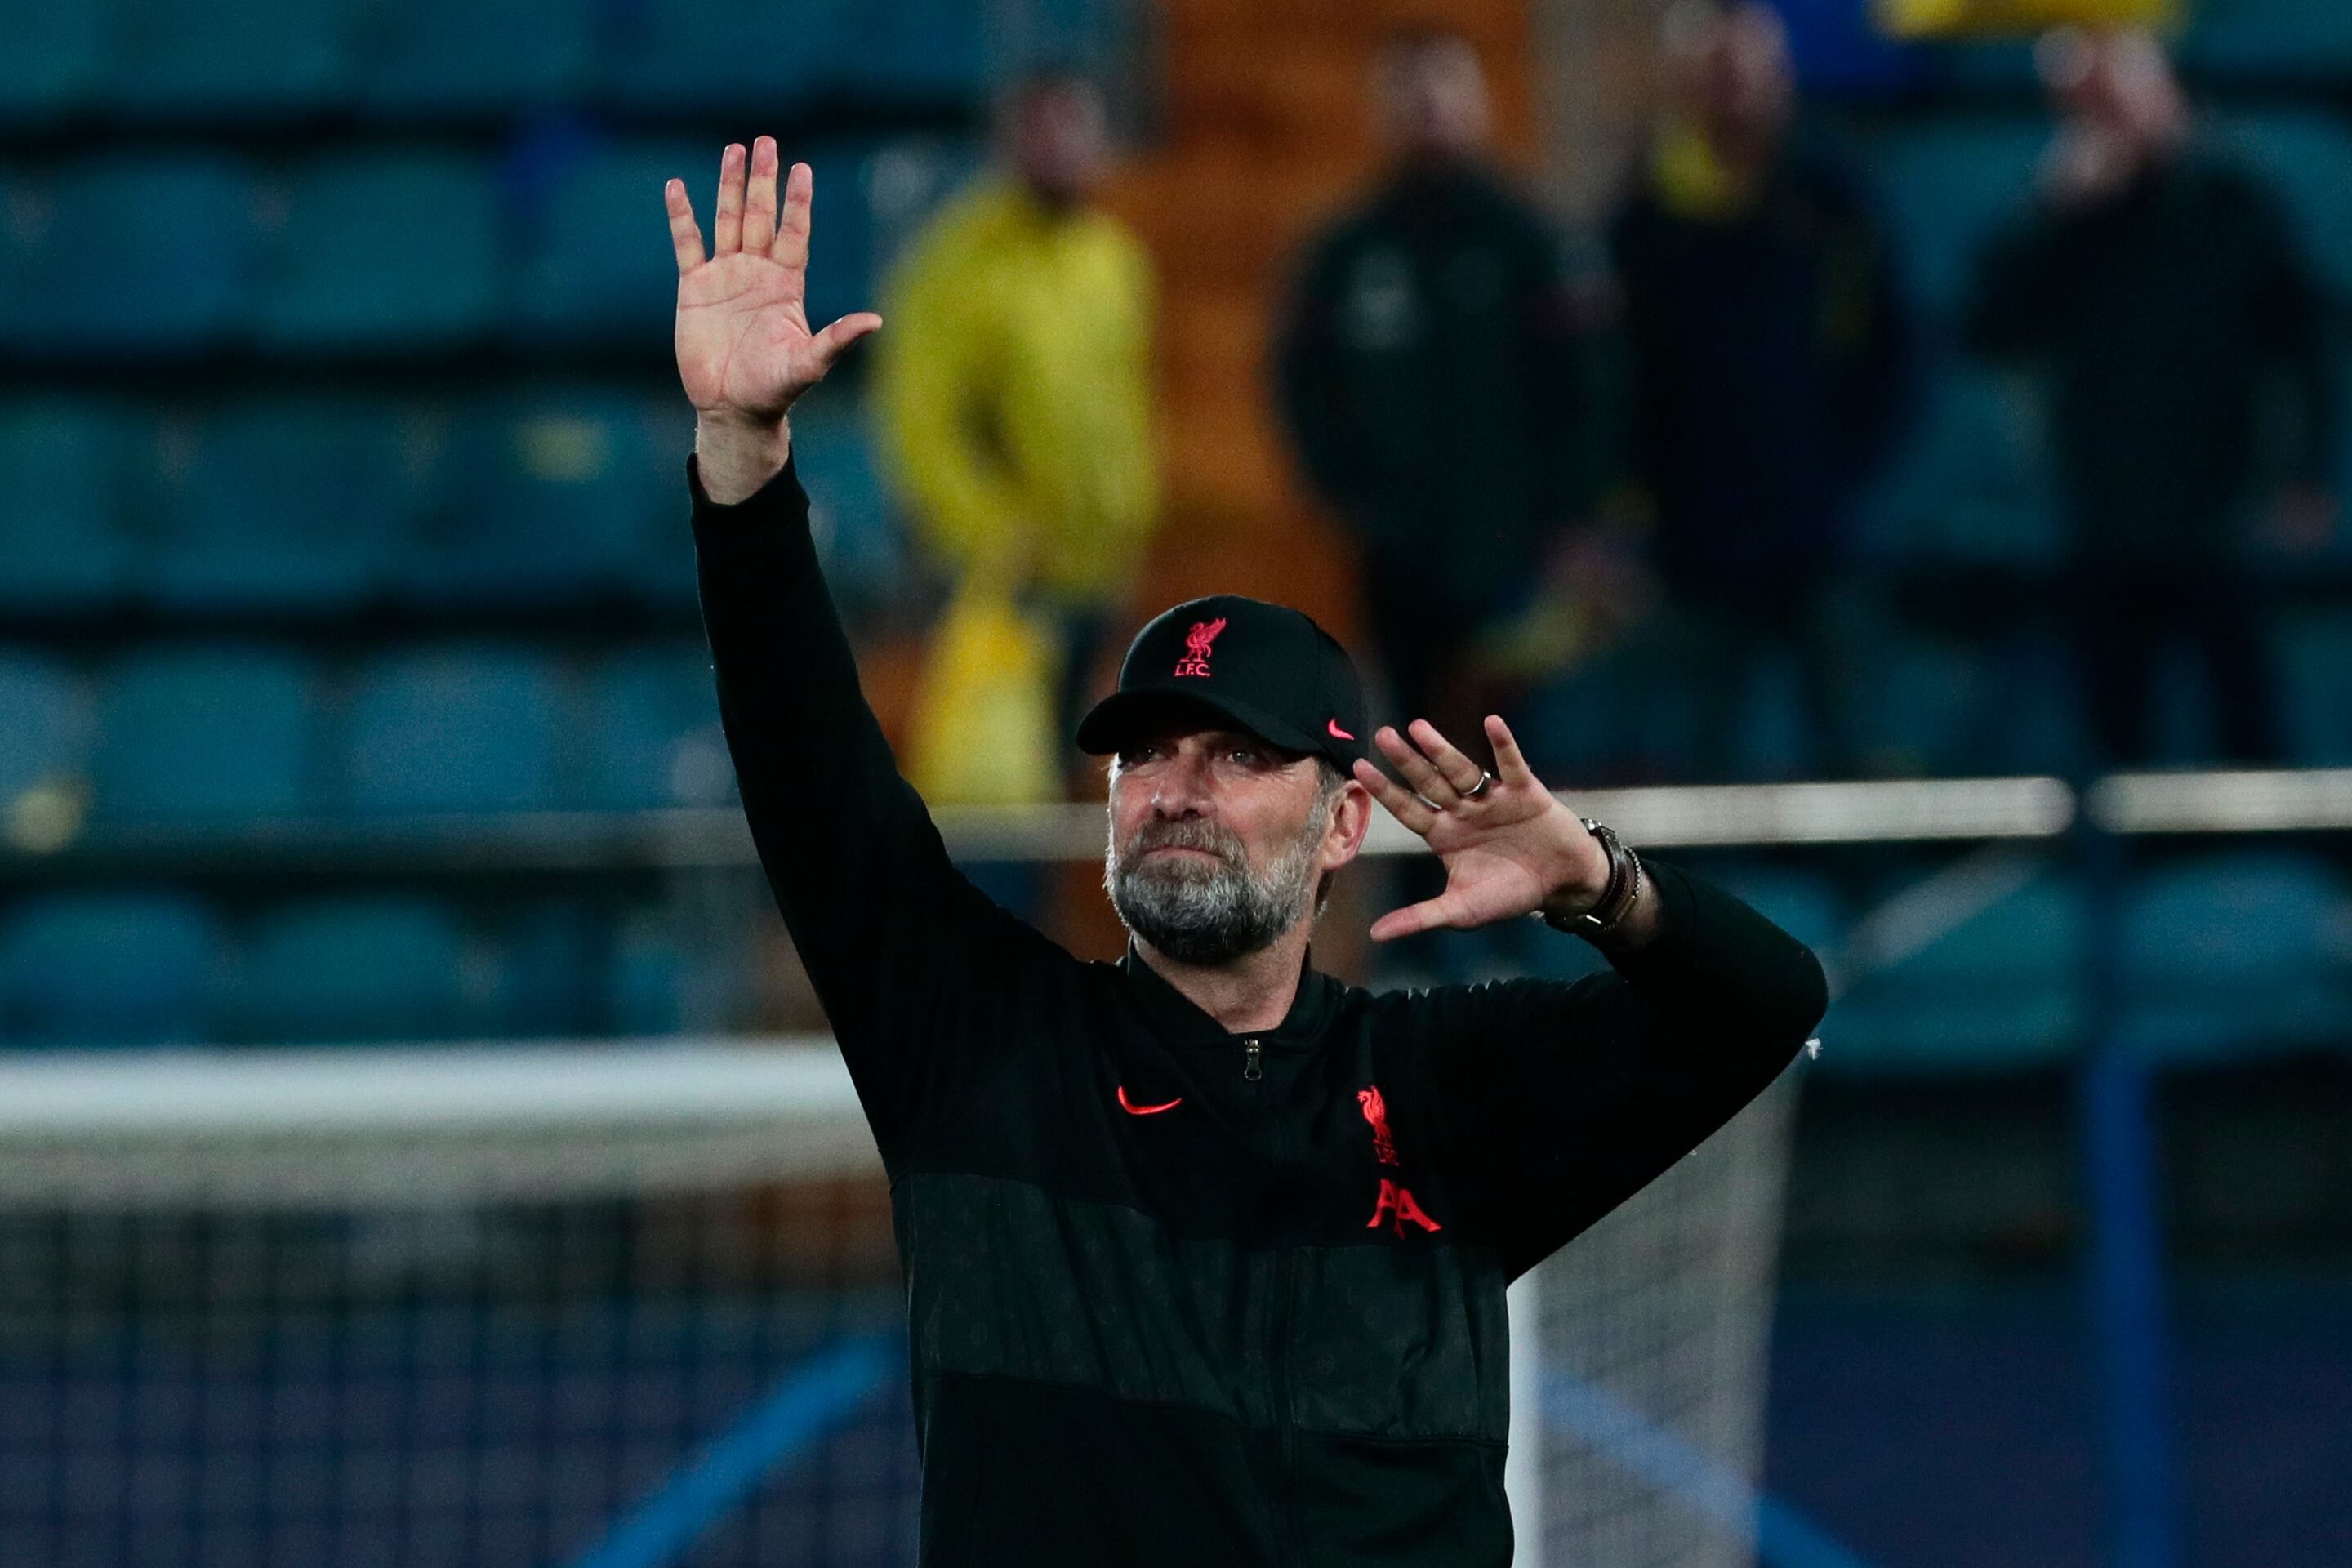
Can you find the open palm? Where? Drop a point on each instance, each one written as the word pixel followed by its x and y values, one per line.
pixel 1506 846
pixel 744 348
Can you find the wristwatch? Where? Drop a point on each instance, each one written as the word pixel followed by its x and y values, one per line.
pixel 1617 896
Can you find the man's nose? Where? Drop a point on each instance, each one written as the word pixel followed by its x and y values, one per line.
pixel 1183 787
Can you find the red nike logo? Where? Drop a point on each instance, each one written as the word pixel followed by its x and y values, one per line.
pixel 1134 1109
pixel 1338 734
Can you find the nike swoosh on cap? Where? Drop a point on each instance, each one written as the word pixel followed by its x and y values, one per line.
pixel 1134 1109
pixel 1333 725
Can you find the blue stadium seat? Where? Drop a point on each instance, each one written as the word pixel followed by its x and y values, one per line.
pixel 1949 185
pixel 283 506
pixel 381 252
pixel 55 57
pixel 432 57
pixel 2237 950
pixel 741 55
pixel 175 59
pixel 78 280
pixel 45 720
pixel 918 50
pixel 557 966
pixel 652 977
pixel 1930 705
pixel 1804 903
pixel 561 496
pixel 2276 40
pixel 598 268
pixel 652 733
pixel 1971 485
pixel 2002 990
pixel 206 733
pixel 850 508
pixel 2306 158
pixel 361 967
pixel 2315 650
pixel 453 729
pixel 61 504
pixel 111 968
pixel 597 265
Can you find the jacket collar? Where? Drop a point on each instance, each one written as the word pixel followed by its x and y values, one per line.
pixel 1178 1019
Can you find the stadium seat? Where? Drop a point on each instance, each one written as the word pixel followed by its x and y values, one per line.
pixel 2237 950
pixel 55 57
pixel 2306 157
pixel 561 496
pixel 61 524
pixel 44 719
pixel 2270 40
pixel 1803 902
pixel 2004 989
pixel 1949 185
pixel 176 59
pixel 76 280
pixel 652 733
pixel 106 969
pixel 597 267
pixel 849 509
pixel 925 50
pixel 2314 652
pixel 206 733
pixel 453 729
pixel 381 252
pixel 744 55
pixel 651 977
pixel 436 58
pixel 1972 484
pixel 557 964
pixel 361 967
pixel 1931 704
pixel 283 506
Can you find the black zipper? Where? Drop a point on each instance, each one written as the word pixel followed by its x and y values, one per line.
pixel 1278 1317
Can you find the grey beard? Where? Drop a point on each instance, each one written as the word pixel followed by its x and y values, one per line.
pixel 1202 914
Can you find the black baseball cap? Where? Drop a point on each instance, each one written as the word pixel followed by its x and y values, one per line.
pixel 1265 669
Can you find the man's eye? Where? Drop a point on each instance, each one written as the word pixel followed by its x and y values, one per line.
pixel 1247 756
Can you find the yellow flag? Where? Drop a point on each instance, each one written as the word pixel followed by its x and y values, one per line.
pixel 1955 19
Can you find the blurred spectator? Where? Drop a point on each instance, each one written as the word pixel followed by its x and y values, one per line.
pixel 1772 364
pixel 1427 368
pixel 1014 387
pixel 2159 283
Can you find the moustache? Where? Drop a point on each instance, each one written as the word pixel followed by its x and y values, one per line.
pixel 1207 836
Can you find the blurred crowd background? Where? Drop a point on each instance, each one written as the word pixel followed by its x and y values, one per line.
pixel 1722 393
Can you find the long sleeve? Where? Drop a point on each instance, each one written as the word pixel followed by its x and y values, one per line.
pixel 2296 322
pixel 1570 1098
pixel 901 948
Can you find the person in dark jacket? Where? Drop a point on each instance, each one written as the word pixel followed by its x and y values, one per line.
pixel 1772 363
pixel 2161 286
pixel 1427 366
pixel 1205 1251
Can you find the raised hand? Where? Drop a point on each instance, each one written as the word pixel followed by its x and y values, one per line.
pixel 1505 852
pixel 744 348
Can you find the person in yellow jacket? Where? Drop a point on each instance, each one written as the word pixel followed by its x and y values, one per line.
pixel 1014 390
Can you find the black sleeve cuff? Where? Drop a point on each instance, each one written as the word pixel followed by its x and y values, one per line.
pixel 780 500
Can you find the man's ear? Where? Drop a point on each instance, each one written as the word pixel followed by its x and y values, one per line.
pixel 1351 818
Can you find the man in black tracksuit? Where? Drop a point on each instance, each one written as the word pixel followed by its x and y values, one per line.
pixel 1205 1251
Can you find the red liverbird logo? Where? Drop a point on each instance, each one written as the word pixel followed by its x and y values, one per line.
pixel 1376 1111
pixel 1196 646
pixel 1394 1206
